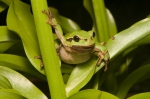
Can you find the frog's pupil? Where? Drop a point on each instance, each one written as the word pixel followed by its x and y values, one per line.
pixel 76 38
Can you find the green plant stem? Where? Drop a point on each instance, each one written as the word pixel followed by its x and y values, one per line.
pixel 96 81
pixel 48 52
pixel 100 20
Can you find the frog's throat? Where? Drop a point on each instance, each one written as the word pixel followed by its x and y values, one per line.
pixel 82 49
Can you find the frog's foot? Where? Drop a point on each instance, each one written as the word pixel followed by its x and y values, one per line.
pixel 49 14
pixel 38 57
pixel 41 64
pixel 52 21
pixel 50 18
pixel 102 58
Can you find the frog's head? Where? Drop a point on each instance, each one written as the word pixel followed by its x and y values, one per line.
pixel 81 38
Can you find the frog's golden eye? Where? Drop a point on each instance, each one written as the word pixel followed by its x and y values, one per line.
pixel 76 38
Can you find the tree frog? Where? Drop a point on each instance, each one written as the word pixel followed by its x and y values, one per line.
pixel 77 47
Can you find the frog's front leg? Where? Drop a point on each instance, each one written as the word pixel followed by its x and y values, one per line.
pixel 52 21
pixel 103 55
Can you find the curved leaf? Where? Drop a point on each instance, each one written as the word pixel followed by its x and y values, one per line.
pixel 132 79
pixel 19 63
pixel 8 2
pixel 4 83
pixel 3 6
pixel 66 68
pixel 145 95
pixel 145 40
pixel 20 20
pixel 7 35
pixel 92 94
pixel 66 24
pixel 112 28
pixel 7 39
pixel 127 38
pixel 17 49
pixel 80 76
pixel 21 84
pixel 5 45
pixel 10 94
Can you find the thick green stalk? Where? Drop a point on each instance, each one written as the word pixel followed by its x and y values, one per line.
pixel 100 20
pixel 48 52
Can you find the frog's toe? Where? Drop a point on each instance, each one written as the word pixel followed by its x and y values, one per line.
pixel 38 57
pixel 41 64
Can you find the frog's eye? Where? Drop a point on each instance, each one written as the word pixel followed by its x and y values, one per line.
pixel 76 38
pixel 93 35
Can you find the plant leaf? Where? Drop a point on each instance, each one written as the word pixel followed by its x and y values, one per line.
pixel 20 20
pixel 145 40
pixel 4 83
pixel 66 68
pixel 6 35
pixel 5 45
pixel 132 79
pixel 145 95
pixel 21 84
pixel 66 24
pixel 7 39
pixel 7 2
pixel 3 6
pixel 80 76
pixel 92 94
pixel 10 94
pixel 128 37
pixel 19 63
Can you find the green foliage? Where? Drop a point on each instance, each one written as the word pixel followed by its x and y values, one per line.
pixel 19 16
pixel 145 95
pixel 92 94
pixel 27 36
pixel 20 84
pixel 80 75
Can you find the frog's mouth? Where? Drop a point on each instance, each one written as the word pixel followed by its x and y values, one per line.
pixel 82 49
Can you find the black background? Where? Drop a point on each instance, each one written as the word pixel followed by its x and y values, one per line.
pixel 125 12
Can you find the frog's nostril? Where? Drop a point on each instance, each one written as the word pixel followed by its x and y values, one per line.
pixel 85 39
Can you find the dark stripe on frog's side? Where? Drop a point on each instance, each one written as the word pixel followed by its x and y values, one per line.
pixel 82 49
